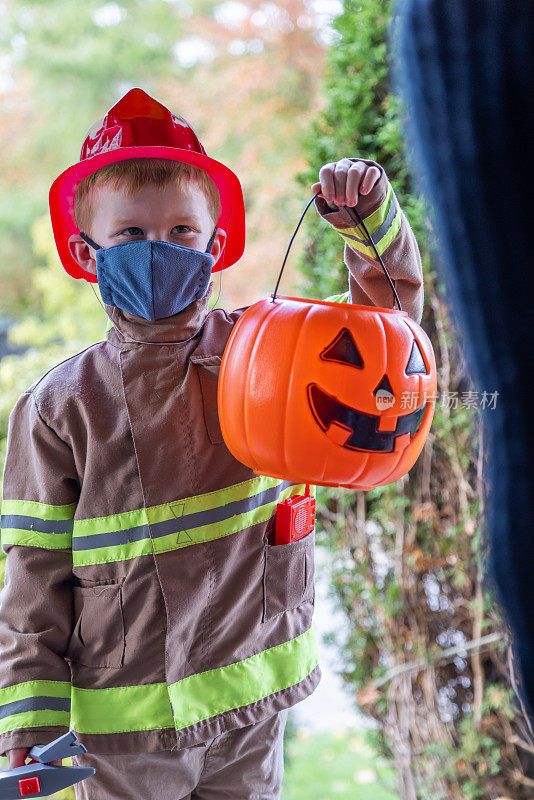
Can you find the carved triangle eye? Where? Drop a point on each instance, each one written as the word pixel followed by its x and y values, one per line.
pixel 343 350
pixel 385 386
pixel 416 363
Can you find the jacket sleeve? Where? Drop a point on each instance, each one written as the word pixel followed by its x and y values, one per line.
pixel 40 492
pixel 394 240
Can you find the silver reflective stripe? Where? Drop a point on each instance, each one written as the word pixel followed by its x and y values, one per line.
pixel 41 703
pixel 383 229
pixel 96 540
pixel 37 524
pixel 187 522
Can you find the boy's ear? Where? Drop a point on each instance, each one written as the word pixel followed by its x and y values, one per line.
pixel 82 253
pixel 218 244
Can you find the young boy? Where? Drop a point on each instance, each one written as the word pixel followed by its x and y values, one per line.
pixel 144 605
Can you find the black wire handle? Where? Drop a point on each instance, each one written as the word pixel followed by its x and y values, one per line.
pixel 356 218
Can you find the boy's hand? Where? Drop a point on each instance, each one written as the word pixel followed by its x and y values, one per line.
pixel 342 182
pixel 18 755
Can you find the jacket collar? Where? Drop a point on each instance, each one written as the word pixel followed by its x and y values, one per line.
pixel 178 328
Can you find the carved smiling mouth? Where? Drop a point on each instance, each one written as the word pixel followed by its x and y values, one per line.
pixel 360 430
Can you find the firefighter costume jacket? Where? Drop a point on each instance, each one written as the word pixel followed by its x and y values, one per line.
pixel 145 606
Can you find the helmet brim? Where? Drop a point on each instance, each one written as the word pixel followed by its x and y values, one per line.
pixel 63 190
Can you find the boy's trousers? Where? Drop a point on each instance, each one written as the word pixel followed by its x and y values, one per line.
pixel 242 764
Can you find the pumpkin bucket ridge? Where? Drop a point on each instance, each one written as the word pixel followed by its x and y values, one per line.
pixel 346 305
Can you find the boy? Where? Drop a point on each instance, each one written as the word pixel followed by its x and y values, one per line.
pixel 144 604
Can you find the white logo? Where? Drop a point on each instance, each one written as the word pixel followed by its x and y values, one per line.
pixel 384 399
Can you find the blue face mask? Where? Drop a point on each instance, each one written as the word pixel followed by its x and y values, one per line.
pixel 151 279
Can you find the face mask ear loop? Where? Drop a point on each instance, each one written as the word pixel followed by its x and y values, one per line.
pixel 220 287
pixel 107 315
pixel 210 243
pixel 89 241
pixel 96 246
pixel 222 259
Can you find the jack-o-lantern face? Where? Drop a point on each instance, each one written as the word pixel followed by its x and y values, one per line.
pixel 327 393
pixel 352 428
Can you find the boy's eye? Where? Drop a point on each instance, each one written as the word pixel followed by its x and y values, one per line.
pixel 133 230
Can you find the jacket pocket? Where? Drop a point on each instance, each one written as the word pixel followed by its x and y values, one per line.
pixel 288 575
pixel 98 637
pixel 208 374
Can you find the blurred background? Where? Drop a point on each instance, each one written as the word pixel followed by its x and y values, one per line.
pixel 417 698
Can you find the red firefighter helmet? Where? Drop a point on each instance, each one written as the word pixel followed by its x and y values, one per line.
pixel 140 127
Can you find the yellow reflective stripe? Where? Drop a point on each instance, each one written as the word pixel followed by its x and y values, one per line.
pixel 378 217
pixel 225 527
pixel 178 524
pixel 168 526
pixel 34 703
pixel 38 718
pixel 159 513
pixel 386 240
pixel 49 541
pixel 29 508
pixel 27 522
pixel 338 298
pixel 383 226
pixel 121 709
pixel 215 691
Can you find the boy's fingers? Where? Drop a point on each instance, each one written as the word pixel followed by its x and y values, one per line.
pixel 354 182
pixel 370 179
pixel 326 178
pixel 340 181
pixel 317 188
pixel 17 756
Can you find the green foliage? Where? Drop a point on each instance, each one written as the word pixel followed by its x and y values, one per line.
pixel 71 61
pixel 480 753
pixel 391 620
pixel 360 120
pixel 67 318
pixel 335 766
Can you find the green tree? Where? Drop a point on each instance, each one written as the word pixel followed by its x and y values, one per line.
pixel 68 59
pixel 426 654
pixel 246 86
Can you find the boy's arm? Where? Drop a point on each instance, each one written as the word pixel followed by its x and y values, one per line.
pixel 394 240
pixel 40 492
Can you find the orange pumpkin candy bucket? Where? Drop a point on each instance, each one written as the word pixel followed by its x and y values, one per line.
pixel 327 393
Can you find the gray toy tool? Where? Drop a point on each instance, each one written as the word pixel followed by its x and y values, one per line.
pixel 41 779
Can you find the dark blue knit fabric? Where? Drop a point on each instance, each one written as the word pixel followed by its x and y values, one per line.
pixel 466 71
